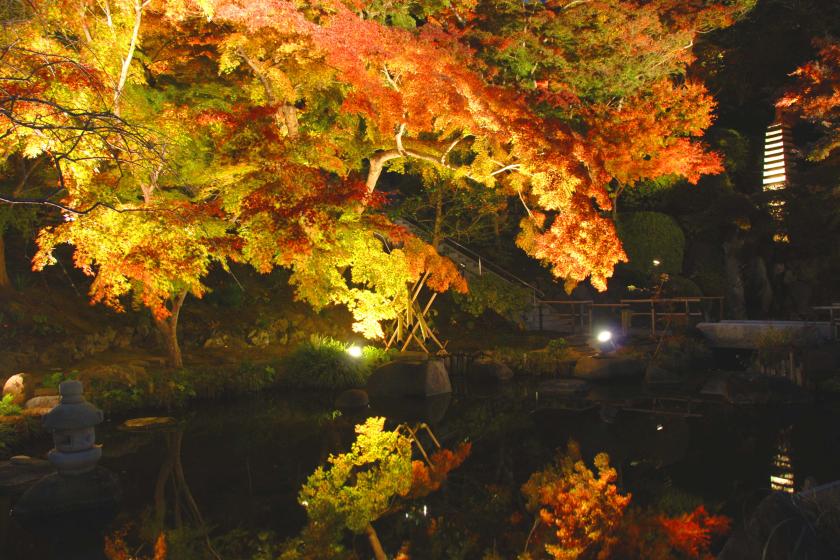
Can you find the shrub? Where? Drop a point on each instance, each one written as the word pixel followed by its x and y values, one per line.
pixel 7 434
pixel 53 380
pixel 229 295
pixel 488 291
pixel 548 361
pixel 680 286
pixel 323 363
pixel 774 346
pixel 649 236
pixel 683 354
pixel 166 388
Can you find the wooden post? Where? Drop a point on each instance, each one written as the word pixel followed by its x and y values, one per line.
pixel 652 318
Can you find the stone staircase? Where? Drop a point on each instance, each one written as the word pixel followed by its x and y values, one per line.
pixel 540 316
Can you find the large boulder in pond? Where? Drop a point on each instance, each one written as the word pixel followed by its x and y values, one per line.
pixel 787 526
pixel 748 388
pixel 660 376
pixel 485 369
pixel 352 399
pixel 607 368
pixel 409 378
pixel 43 403
pixel 564 387
pixel 430 410
pixel 21 472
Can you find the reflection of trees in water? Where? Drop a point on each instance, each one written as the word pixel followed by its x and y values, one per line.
pixel 171 487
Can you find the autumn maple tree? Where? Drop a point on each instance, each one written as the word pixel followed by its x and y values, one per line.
pixel 187 134
pixel 816 97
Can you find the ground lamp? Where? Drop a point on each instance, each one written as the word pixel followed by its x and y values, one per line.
pixel 604 341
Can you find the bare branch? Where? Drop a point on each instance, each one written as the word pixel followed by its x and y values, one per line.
pixel 391 81
pixel 68 209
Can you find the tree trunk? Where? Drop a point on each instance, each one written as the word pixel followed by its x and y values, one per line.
pixel 437 236
pixel 497 230
pixel 5 282
pixel 759 286
pixel 735 299
pixel 168 329
pixel 373 538
pixel 618 192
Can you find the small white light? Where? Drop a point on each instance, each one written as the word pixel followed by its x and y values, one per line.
pixel 425 510
pixel 659 427
pixel 604 336
pixel 656 262
pixel 354 351
pixel 304 503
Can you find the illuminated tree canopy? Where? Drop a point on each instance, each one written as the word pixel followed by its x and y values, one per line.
pixel 185 134
pixel 816 96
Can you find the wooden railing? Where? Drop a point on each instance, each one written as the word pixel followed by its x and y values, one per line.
pixel 657 313
pixel 670 311
pixel 833 312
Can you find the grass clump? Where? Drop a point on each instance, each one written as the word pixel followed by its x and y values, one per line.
pixel 8 407
pixel 551 360
pixel 174 389
pixel 324 363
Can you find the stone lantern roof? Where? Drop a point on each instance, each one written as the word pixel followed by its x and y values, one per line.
pixel 73 412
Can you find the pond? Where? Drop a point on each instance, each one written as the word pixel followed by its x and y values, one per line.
pixel 244 463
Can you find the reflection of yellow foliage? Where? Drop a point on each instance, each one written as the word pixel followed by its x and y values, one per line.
pixel 368 482
pixel 359 486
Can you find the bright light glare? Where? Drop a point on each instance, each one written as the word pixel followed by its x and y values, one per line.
pixel 604 336
pixel 656 262
pixel 659 427
pixel 355 351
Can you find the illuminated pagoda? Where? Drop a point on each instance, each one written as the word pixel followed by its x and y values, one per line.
pixel 781 473
pixel 778 168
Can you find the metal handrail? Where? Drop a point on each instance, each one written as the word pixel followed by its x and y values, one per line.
pixel 476 257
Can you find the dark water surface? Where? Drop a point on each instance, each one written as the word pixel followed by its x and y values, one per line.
pixel 245 461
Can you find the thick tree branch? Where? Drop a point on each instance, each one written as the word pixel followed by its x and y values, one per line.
pixel 135 34
pixel 380 158
pixel 287 112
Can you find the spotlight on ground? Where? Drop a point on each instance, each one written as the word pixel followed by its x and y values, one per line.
pixel 604 336
pixel 354 351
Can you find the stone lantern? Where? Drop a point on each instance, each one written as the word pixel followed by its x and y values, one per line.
pixel 72 425
pixel 71 508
